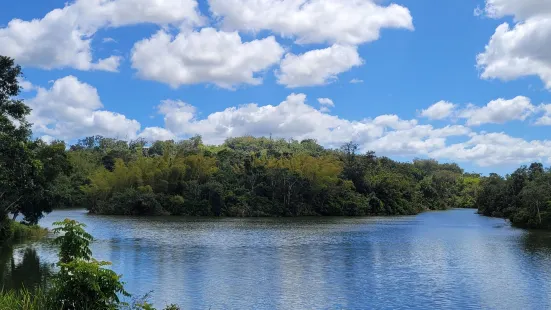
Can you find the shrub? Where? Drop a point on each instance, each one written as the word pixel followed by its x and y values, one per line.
pixel 25 300
pixel 17 231
pixel 83 282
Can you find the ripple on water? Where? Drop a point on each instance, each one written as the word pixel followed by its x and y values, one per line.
pixel 437 260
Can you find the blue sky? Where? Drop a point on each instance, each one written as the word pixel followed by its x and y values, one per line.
pixel 184 67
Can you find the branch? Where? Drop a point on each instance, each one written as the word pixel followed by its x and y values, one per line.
pixel 9 207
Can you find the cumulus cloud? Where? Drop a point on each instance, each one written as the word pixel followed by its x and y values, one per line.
pixel 295 118
pixel 490 149
pixel 518 50
pixel 325 104
pixel 313 21
pixel 415 140
pixel 152 134
pixel 208 55
pixel 545 119
pixel 72 109
pixel 317 67
pixel 356 81
pixel 498 111
pixel 62 37
pixel 521 10
pixel 440 110
pixel 26 86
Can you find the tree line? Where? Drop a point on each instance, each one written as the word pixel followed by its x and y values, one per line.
pixel 524 196
pixel 250 176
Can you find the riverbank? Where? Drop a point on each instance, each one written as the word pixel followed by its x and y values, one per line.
pixel 18 232
pixel 81 282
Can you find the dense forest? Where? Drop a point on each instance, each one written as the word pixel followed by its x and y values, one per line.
pixel 524 197
pixel 245 176
pixel 250 176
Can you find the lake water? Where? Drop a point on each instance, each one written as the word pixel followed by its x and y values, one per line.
pixel 436 260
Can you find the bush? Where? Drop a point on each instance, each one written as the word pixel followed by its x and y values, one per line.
pixel 25 300
pixel 82 282
pixel 17 231
pixel 132 202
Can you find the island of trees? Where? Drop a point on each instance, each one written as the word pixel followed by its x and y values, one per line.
pixel 244 176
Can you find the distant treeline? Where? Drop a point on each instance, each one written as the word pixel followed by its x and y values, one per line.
pixel 245 176
pixel 250 176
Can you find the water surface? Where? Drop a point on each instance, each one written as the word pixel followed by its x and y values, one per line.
pixel 446 260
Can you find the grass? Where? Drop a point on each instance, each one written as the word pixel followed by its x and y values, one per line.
pixel 20 232
pixel 40 300
pixel 24 300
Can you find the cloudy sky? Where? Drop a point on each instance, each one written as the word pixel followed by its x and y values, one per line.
pixel 455 80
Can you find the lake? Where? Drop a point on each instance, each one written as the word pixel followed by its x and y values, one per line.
pixel 436 260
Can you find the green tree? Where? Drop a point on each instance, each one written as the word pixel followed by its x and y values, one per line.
pixel 83 282
pixel 18 166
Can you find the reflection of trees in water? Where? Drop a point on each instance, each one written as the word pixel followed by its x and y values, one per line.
pixel 20 269
pixel 537 242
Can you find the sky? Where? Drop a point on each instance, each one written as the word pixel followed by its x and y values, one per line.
pixel 458 81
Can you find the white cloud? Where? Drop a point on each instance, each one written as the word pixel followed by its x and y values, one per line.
pixel 518 50
pixel 520 9
pixel 26 86
pixel 356 81
pixel 208 56
pixel 490 149
pixel 317 67
pixel 152 134
pixel 116 13
pixel 498 111
pixel 294 118
pixel 72 109
pixel 394 122
pixel 314 21
pixel 415 140
pixel 545 119
pixel 440 110
pixel 62 37
pixel 326 102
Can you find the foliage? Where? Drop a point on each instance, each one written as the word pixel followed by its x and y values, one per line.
pixel 524 197
pixel 82 281
pixel 18 167
pixel 82 284
pixel 19 231
pixel 250 176
pixel 25 300
pixel 28 169
pixel 74 243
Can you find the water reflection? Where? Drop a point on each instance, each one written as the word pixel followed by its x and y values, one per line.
pixel 537 242
pixel 21 268
pixel 452 260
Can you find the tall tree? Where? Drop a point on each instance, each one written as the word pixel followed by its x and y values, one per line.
pixel 18 167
